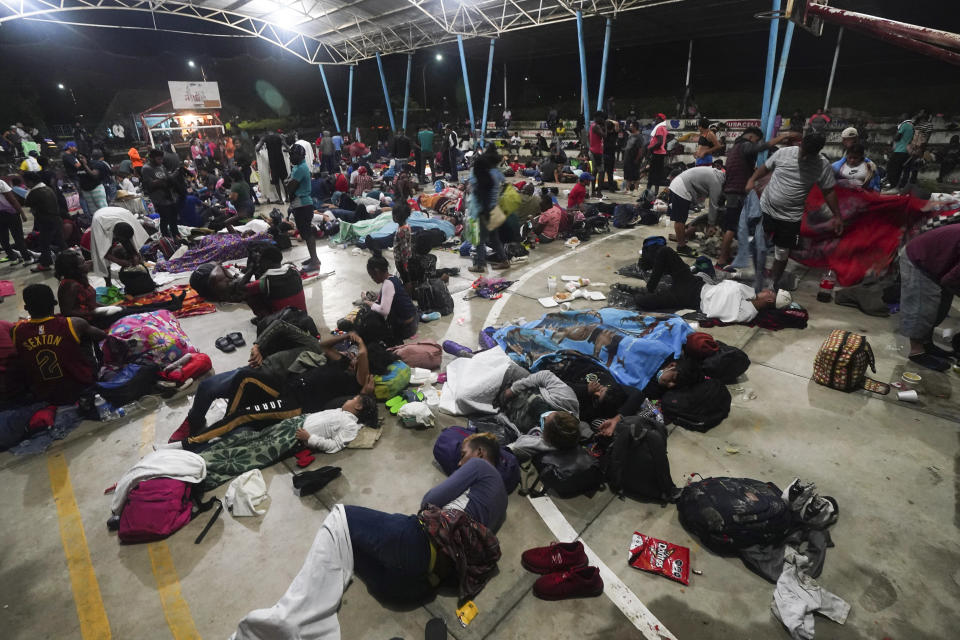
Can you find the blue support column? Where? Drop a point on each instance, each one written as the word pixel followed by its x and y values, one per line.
pixel 603 68
pixel 466 81
pixel 350 98
pixel 486 93
pixel 386 94
pixel 583 68
pixel 771 63
pixel 781 71
pixel 406 91
pixel 326 87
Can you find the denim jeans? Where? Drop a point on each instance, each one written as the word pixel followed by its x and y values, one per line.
pixel 216 386
pixel 391 553
pixel 491 239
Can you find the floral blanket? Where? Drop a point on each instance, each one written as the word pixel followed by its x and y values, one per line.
pixel 246 449
pixel 216 247
pixel 155 337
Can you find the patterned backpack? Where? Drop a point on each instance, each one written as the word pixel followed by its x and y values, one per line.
pixel 842 361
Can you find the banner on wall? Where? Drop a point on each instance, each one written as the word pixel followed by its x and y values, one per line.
pixel 194 95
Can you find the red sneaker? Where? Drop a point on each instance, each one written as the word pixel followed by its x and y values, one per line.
pixel 584 582
pixel 557 557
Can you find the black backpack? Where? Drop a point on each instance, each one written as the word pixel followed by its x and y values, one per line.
pixel 433 296
pixel 635 463
pixel 726 365
pixel 567 473
pixel 700 407
pixel 732 513
pixel 291 315
pixel 427 239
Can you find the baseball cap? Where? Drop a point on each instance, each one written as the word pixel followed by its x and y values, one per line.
pixel 586 177
pixel 783 299
pixel 849 132
pixel 70 145
pixel 661 116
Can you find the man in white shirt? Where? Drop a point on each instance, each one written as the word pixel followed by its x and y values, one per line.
pixel 332 430
pixel 727 301
pixel 690 187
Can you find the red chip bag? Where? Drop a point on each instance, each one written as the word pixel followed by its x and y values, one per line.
pixel 658 556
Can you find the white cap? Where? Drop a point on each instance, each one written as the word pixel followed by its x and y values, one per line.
pixel 783 298
pixel 850 132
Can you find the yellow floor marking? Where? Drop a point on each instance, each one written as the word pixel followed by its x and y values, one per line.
pixel 83 580
pixel 175 607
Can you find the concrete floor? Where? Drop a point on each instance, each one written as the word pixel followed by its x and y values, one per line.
pixel 892 467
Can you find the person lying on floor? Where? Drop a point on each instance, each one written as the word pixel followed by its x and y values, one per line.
pixel 728 301
pixel 331 430
pixel 78 299
pixel 393 302
pixel 56 352
pixel 281 352
pixel 543 410
pixel 279 286
pixel 402 558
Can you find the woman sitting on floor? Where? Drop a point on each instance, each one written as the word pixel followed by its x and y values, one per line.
pixel 134 275
pixel 393 302
pixel 78 298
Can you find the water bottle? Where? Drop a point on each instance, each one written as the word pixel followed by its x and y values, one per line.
pixel 829 281
pixel 102 407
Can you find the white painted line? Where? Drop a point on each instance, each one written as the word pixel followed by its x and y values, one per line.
pixel 499 304
pixel 613 587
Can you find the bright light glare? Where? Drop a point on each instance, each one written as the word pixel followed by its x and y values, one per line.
pixel 191 63
pixel 286 17
pixel 60 86
pixel 439 56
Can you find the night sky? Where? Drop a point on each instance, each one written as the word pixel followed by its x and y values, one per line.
pixel 542 70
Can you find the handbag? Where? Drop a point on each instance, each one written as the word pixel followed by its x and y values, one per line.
pixel 497 217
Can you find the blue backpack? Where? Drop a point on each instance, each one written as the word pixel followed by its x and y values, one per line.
pixel 447 453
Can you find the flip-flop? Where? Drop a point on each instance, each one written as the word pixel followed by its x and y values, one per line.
pixel 237 339
pixel 225 345
pixel 394 401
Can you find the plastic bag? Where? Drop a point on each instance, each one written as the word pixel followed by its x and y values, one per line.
pixel 416 414
pixel 658 556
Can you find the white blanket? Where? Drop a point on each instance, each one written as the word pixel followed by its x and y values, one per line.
pixel 472 383
pixel 308 610
pixel 164 463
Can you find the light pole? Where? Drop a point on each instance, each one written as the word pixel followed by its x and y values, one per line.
pixel 63 87
pixel 192 64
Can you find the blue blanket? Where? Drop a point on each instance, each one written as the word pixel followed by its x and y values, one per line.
pixel 631 345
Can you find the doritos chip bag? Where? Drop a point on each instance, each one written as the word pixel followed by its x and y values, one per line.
pixel 659 556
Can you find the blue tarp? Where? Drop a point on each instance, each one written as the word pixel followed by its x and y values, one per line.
pixel 631 345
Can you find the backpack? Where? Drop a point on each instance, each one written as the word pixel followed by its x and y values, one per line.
pixel 155 509
pixel 136 280
pixel 131 383
pixel 567 473
pixel 447 453
pixel 732 513
pixel 427 239
pixel 291 315
pixel 842 361
pixel 433 295
pixel 700 407
pixel 635 463
pixel 726 365
pixel 426 354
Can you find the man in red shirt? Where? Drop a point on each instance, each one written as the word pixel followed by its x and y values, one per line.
pixel 579 192
pixel 56 352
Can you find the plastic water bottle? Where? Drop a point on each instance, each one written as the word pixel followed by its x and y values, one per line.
pixel 102 407
pixel 825 294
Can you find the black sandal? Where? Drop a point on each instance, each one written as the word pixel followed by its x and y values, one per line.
pixel 225 345
pixel 236 338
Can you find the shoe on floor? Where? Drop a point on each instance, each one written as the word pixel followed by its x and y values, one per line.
pixel 687 251
pixel 181 433
pixel 584 582
pixel 930 361
pixel 933 349
pixel 559 556
pixel 473 269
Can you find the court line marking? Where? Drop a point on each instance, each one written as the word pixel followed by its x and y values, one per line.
pixel 613 587
pixel 91 613
pixel 175 607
